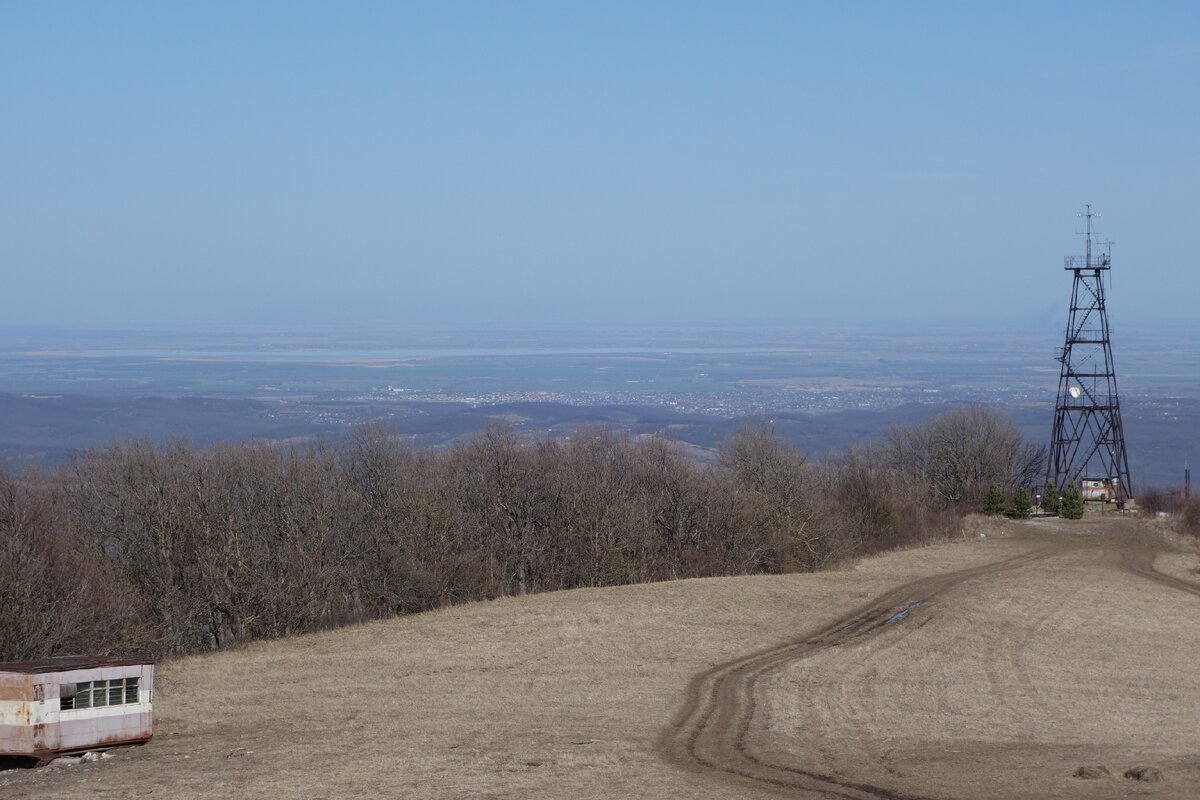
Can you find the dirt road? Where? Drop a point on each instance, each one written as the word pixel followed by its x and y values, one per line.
pixel 980 669
pixel 714 732
pixel 721 702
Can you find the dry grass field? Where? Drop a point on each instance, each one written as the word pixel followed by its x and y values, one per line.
pixel 979 669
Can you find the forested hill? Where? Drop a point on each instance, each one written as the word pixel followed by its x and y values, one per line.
pixel 173 549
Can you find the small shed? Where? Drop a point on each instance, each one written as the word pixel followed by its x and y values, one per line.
pixel 1102 489
pixel 72 704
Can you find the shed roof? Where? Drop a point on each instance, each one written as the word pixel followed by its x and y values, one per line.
pixel 64 663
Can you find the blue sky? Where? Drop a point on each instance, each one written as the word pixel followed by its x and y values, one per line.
pixel 527 164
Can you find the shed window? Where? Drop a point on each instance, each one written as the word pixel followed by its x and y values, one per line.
pixel 97 694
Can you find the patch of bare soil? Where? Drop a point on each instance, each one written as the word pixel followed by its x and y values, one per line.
pixel 1144 774
pixel 989 668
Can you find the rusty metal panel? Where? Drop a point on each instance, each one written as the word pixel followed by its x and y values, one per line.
pixel 102 731
pixel 16 716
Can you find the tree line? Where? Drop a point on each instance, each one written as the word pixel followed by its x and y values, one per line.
pixel 138 548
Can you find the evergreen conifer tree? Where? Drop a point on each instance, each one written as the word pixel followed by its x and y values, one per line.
pixel 1071 506
pixel 993 501
pixel 1021 504
pixel 1050 498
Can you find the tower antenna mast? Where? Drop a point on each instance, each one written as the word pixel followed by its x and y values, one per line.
pixel 1087 443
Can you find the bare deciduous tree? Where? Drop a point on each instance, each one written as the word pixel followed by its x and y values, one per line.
pixel 168 549
pixel 960 453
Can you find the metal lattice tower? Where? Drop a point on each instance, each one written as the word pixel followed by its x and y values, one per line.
pixel 1087 446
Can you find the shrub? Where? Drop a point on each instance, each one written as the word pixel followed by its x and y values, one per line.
pixel 1187 518
pixel 1153 500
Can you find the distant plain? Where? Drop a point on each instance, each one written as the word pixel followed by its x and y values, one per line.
pixel 823 387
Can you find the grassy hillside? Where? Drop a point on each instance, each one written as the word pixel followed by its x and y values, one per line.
pixel 1000 686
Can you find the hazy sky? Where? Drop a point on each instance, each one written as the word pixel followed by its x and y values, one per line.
pixel 530 164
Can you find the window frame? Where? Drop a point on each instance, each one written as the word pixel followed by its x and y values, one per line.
pixel 101 693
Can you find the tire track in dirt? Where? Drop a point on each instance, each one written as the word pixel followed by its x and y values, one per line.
pixel 710 733
pixel 1140 562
